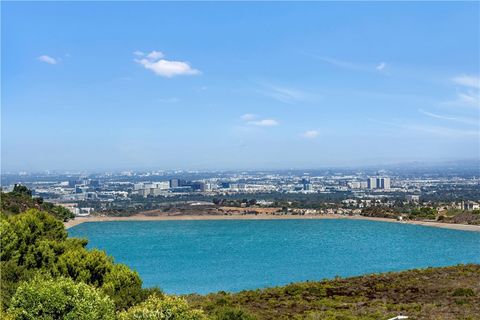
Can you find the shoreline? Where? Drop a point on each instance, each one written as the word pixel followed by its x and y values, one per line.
pixel 197 217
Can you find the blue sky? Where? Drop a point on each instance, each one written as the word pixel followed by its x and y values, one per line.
pixel 88 86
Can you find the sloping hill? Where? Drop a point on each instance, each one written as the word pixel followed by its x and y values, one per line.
pixel 21 200
pixel 434 293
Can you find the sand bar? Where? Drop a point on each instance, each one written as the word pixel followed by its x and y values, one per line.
pixel 142 217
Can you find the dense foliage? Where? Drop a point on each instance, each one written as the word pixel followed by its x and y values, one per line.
pixel 20 200
pixel 34 243
pixel 162 308
pixel 46 275
pixel 62 298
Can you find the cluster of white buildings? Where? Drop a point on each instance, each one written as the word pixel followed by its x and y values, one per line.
pixel 73 208
pixel 372 183
pixel 151 189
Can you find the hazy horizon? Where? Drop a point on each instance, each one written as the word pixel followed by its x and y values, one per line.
pixel 465 164
pixel 246 86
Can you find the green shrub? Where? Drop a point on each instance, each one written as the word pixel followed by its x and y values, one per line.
pixel 464 292
pixel 61 298
pixel 124 286
pixel 162 308
pixel 229 313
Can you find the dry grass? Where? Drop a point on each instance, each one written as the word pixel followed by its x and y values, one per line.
pixel 434 293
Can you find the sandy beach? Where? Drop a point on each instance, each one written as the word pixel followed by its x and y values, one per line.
pixel 142 217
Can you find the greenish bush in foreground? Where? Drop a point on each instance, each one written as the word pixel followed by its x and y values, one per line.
pixel 34 242
pixel 61 298
pixel 162 308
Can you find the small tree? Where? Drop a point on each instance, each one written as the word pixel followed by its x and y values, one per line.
pixel 18 188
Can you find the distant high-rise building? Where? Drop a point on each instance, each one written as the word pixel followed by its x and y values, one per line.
pixel 306 184
pixel 225 185
pixel 162 185
pixel 385 183
pixel 138 186
pixel 73 183
pixel 174 183
pixel 378 183
pixel 198 186
pixel 94 183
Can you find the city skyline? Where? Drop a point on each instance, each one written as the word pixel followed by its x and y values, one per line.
pixel 92 86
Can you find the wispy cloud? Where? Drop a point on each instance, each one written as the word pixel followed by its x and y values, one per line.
pixel 381 66
pixel 343 64
pixel 286 94
pixel 448 117
pixel 169 100
pixel 465 99
pixel 469 98
pixel 155 62
pixel 248 117
pixel 467 81
pixel 351 65
pixel 470 95
pixel 310 134
pixel 251 119
pixel 442 131
pixel 48 59
pixel 430 129
pixel 264 123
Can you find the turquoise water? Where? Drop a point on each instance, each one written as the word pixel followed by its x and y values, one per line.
pixel 208 256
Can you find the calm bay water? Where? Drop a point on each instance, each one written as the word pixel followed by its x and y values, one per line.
pixel 209 256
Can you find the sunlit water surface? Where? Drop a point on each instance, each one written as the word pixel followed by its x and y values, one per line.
pixel 209 256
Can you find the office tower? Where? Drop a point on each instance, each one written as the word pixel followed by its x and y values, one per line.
pixel 174 183
pixel 372 183
pixel 385 183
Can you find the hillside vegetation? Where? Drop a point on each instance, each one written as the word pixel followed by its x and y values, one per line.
pixel 20 200
pixel 434 293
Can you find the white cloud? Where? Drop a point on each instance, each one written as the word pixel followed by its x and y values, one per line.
pixel 310 134
pixel 169 100
pixel 248 117
pixel 286 95
pixel 155 55
pixel 48 59
pixel 264 123
pixel 447 117
pixel 465 99
pixel 469 94
pixel 341 64
pixel 350 65
pixel 469 98
pixel 138 53
pixel 467 81
pixel 166 68
pixel 381 66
